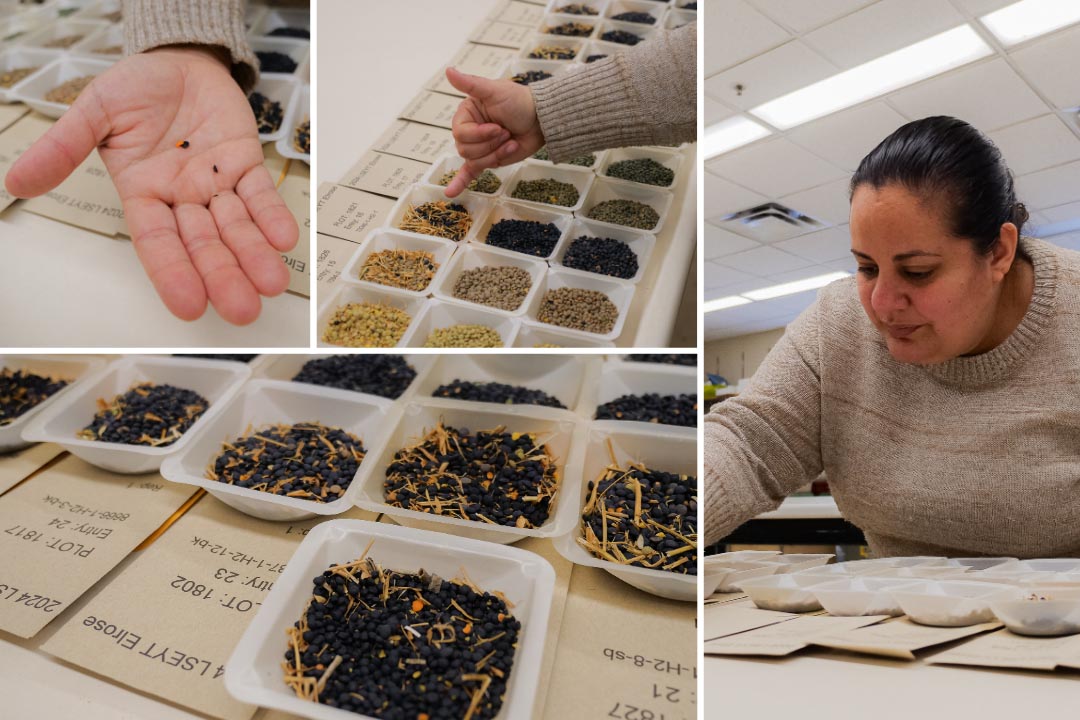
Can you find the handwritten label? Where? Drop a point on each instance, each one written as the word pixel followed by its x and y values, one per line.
pixel 350 214
pixel 384 174
pixel 415 141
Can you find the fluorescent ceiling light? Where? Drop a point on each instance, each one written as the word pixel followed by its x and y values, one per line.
pixel 729 134
pixel 724 303
pixel 1030 18
pixel 798 286
pixel 905 66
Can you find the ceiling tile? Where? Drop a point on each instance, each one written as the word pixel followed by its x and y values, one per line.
pixel 764 261
pixel 821 247
pixel 738 32
pixel 720 242
pixel 846 137
pixel 801 15
pixel 1049 188
pixel 982 7
pixel 774 168
pixel 828 202
pixel 717 276
pixel 769 75
pixel 732 288
pixel 723 197
pixel 1062 213
pixel 801 274
pixel 989 95
pixel 1037 144
pixel 715 111
pixel 848 264
pixel 1051 63
pixel 883 27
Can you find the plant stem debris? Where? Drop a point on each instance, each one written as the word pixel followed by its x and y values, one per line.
pixel 147 414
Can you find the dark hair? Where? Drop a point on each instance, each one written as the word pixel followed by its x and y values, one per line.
pixel 944 157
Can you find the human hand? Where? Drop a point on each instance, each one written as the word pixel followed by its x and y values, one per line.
pixel 200 232
pixel 495 125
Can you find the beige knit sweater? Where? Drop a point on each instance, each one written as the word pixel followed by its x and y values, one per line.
pixel 644 95
pixel 153 23
pixel 975 456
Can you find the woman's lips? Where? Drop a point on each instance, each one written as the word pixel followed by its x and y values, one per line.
pixel 900 332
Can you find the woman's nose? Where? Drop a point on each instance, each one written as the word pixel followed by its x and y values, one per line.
pixel 887 297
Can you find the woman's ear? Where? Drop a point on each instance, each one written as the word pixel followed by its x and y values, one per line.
pixel 1004 252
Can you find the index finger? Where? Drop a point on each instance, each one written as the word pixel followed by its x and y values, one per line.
pixel 465 175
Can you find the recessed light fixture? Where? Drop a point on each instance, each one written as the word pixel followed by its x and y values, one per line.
pixel 724 303
pixel 1030 18
pixel 905 66
pixel 731 133
pixel 811 283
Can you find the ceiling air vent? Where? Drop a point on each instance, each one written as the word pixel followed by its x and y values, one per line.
pixel 770 223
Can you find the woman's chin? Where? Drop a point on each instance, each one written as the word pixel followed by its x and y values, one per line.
pixel 911 352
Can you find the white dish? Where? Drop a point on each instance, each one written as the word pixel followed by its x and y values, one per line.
pixel 383 239
pixel 951 604
pixel 438 314
pixel 783 593
pixel 514 210
pixel 860 596
pixel 267 402
pixel 23 57
pixel 540 40
pixel 605 189
pixel 793 563
pixel 477 205
pixel 529 171
pixel 73 368
pixel 299 108
pixel 33 89
pixel 553 19
pixel 297 50
pixel 619 293
pixel 286 367
pixel 618 379
pixel 451 162
pixel 560 376
pixel 253 672
pixel 640 242
pixel 1057 614
pixel 282 89
pixel 732 573
pixel 554 428
pixel 534 337
pixel 474 256
pixel 656 450
pixel 215 380
pixel 346 294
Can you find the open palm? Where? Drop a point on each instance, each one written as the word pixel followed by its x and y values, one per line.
pixel 206 220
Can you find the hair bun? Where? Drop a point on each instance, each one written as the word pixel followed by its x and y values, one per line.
pixel 1020 215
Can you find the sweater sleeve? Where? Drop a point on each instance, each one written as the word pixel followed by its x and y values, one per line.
pixel 154 23
pixel 765 443
pixel 645 95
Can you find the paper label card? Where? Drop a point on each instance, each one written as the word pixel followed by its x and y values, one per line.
pixel 899 638
pixel 350 214
pixel 67 528
pixel 730 618
pixel 520 13
pixel 1006 650
pixel 384 174
pixel 432 108
pixel 198 587
pixel 786 637
pixel 415 141
pixel 295 189
pixel 18 466
pixel 10 113
pixel 334 255
pixel 86 199
pixel 483 60
pixel 502 34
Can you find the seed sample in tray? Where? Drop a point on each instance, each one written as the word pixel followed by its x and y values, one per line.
pixel 664 358
pixel 524 236
pixel 390 644
pixel 268 113
pixel 68 92
pixel 625 212
pixel 291 32
pixel 578 309
pixel 642 18
pixel 387 376
pixel 8 78
pixel 271 61
pixel 496 392
pixel 439 218
pixel 405 269
pixel 530 76
pixel 498 286
pixel 547 190
pixel 603 256
pixel 21 391
pixel 307 460
pixel 642 517
pixel 367 325
pixel 581 160
pixel 147 414
pixel 490 476
pixel 488 182
pixel 302 137
pixel 552 52
pixel 622 37
pixel 642 170
pixel 576 9
pixel 464 335
pixel 652 407
pixel 570 29
pixel 63 42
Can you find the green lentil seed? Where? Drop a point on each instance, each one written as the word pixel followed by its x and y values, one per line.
pixel 581 160
pixel 642 170
pixel 547 190
pixel 464 335
pixel 625 212
pixel 367 325
pixel 488 182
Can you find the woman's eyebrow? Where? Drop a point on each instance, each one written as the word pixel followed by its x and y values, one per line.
pixel 901 256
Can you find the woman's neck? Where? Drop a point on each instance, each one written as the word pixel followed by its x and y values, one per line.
pixel 1016 292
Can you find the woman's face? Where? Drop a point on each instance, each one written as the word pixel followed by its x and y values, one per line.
pixel 930 294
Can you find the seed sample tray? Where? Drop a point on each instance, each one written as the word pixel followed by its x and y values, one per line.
pixel 640 243
pixel 346 295
pixel 385 240
pixel 472 257
pixel 70 368
pixel 619 379
pixel 286 367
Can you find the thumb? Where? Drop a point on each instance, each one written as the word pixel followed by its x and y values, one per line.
pixel 473 85
pixel 57 153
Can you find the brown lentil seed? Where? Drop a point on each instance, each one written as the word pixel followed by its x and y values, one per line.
pixel 64 42
pixel 66 93
pixel 9 78
pixel 503 287
pixel 578 309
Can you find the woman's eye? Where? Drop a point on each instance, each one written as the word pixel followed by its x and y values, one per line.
pixel 868 270
pixel 918 275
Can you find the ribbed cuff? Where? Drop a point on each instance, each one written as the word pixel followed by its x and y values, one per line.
pixel 155 23
pixel 589 108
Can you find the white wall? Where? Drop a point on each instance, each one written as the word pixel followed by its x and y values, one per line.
pixel 738 357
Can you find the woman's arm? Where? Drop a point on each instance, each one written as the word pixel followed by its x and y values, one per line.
pixel 644 95
pixel 151 24
pixel 765 443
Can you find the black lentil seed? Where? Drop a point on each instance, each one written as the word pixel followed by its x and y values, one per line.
pixel 576 9
pixel 402 646
pixel 667 359
pixel 387 376
pixel 594 58
pixel 571 29
pixel 635 17
pixel 21 391
pixel 690 5
pixel 530 76
pixel 649 519
pixel 268 113
pixel 552 52
pixel 494 476
pixel 622 37
pixel 604 256
pixel 147 414
pixel 524 236
pixel 495 392
pixel 271 61
pixel 297 32
pixel 652 407
pixel 302 137
pixel 307 460
pixel 212 356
